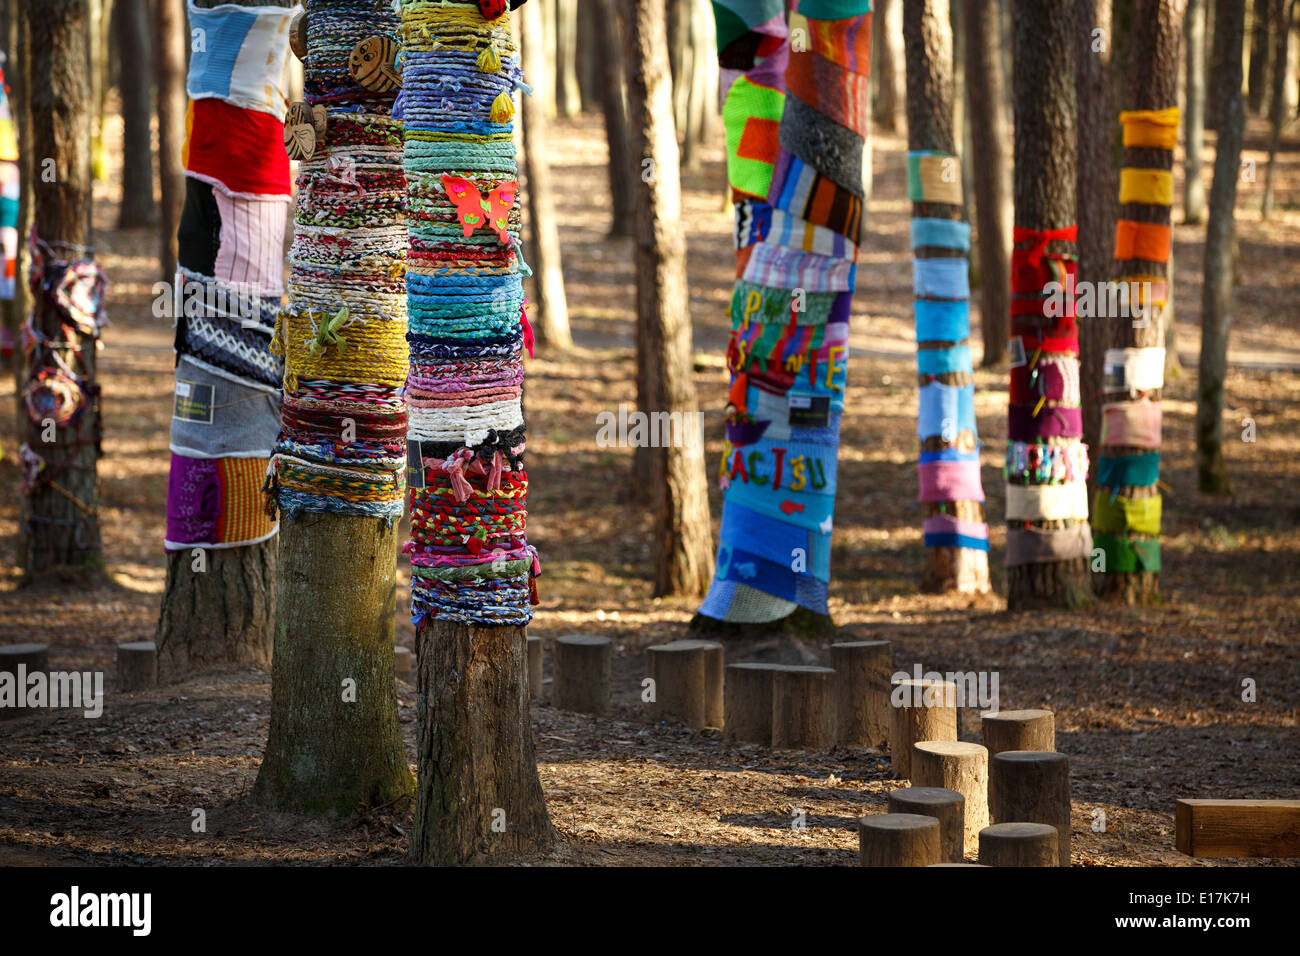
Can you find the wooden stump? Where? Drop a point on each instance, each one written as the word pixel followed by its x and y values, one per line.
pixel 31 658
pixel 861 691
pixel 946 806
pixel 928 711
pixel 1034 787
pixel 1017 730
pixel 957 766
pixel 1019 844
pixel 976 865
pixel 802 709
pixel 137 665
pixel 403 663
pixel 1238 828
pixel 535 668
pixel 688 682
pixel 581 680
pixel 898 839
pixel 748 702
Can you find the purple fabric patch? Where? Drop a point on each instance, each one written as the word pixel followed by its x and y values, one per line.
pixel 1052 422
pixel 193 499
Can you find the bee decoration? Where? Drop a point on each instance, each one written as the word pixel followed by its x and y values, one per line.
pixel 373 64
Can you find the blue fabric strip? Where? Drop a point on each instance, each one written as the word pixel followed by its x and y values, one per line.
pixel 949 454
pixel 941 321
pixel 950 539
pixel 938 361
pixel 1121 470
pixel 941 234
pixel 946 410
pixel 940 279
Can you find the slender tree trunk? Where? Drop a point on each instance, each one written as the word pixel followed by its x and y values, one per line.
pixel 552 324
pixel 890 110
pixel 18 75
pixel 623 171
pixel 1220 54
pixel 1194 121
pixel 169 76
pixel 59 524
pixel 683 538
pixel 589 33
pixel 1216 298
pixel 990 162
pixel 568 101
pixel 949 566
pixel 1044 187
pixel 132 31
pixel 1282 14
pixel 101 20
pixel 1264 26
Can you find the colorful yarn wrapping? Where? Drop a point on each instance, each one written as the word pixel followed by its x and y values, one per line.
pixel 794 157
pixel 470 558
pixel 9 195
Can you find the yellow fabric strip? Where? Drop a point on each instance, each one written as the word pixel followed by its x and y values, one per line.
pixel 940 178
pixel 1154 187
pixel 1122 515
pixel 1152 129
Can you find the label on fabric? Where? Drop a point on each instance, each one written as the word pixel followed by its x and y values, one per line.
pixel 809 411
pixel 414 465
pixel 193 402
pixel 1016 350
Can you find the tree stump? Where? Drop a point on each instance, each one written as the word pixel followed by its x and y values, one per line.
pixel 898 839
pixel 137 665
pixel 31 658
pixel 946 806
pixel 976 865
pixel 403 663
pixel 1019 844
pixel 581 681
pixel 535 668
pixel 957 766
pixel 861 691
pixel 748 702
pixel 1034 787
pixel 802 709
pixel 1017 730
pixel 688 682
pixel 920 710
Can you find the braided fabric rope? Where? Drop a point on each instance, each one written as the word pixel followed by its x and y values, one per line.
pixel 470 559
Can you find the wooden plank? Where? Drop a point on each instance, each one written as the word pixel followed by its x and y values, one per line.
pixel 1238 828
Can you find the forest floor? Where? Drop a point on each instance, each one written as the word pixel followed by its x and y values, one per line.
pixel 1148 701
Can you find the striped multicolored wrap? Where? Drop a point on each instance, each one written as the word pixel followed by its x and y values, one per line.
pixel 341 447
pixel 226 406
pixel 468 491
pixel 8 195
pixel 795 79
pixel 1126 505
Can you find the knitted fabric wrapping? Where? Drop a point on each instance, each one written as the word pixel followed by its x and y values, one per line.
pixel 468 491
pixel 343 329
pixel 794 159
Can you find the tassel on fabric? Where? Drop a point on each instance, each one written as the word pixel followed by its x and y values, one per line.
pixel 503 108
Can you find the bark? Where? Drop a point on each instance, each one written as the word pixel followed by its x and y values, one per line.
pixel 59 526
pixel 552 315
pixel 1221 52
pixel 1044 189
pixel 623 172
pixel 480 795
pixel 589 57
pixel 101 16
pixel 1264 27
pixel 568 100
pixel 1282 15
pixel 169 76
pixel 1194 116
pixel 326 754
pixel 990 164
pixel 1216 298
pixel 682 539
pixel 890 106
pixel 693 62
pixel 131 27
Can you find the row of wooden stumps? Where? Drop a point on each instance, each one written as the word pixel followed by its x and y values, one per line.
pixel 137 665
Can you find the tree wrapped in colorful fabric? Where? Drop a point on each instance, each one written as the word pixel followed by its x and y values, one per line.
pixel 796 110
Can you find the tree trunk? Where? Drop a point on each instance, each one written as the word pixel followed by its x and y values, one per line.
pixel 568 100
pixel 132 32
pixel 990 162
pixel 695 77
pixel 890 108
pixel 1194 120
pixel 334 743
pixel 552 323
pixel 59 525
pixel 1216 297
pixel 623 172
pixel 1220 54
pixel 1282 14
pixel 1264 27
pixel 101 18
pixel 683 556
pixel 169 76
pixel 589 34
pixel 949 566
pixel 1044 188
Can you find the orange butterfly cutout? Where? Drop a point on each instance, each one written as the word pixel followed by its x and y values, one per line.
pixel 473 210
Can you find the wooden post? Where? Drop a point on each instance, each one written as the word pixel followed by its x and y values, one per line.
pixel 403 663
pixel 535 668
pixel 1238 828
pixel 1017 730
pixel 1019 844
pixel 748 702
pixel 32 658
pixel 1034 787
pixel 687 679
pixel 957 766
pixel 946 806
pixel 802 708
pixel 921 710
pixel 898 839
pixel 137 665
pixel 581 681
pixel 861 691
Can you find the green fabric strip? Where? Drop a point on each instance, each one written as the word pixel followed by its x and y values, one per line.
pixel 1128 554
pixel 1120 514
